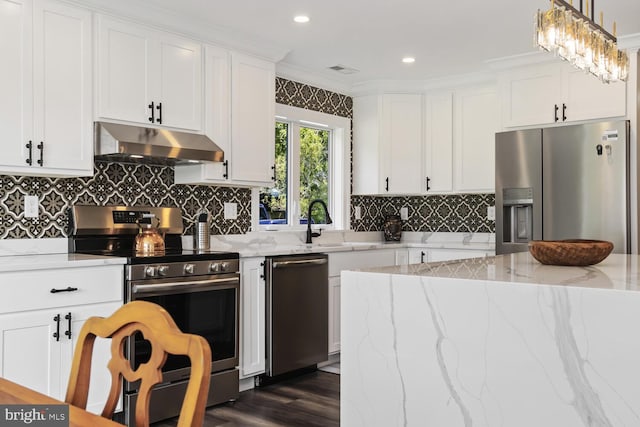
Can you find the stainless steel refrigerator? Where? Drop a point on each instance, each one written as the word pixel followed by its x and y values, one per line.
pixel 569 182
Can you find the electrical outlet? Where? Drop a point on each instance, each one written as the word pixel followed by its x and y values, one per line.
pixel 404 213
pixel 230 211
pixel 358 212
pixel 31 207
pixel 491 213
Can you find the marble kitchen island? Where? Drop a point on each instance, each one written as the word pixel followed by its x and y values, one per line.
pixel 496 341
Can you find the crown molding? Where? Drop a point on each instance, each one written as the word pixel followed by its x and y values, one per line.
pixel 197 28
pixel 373 87
pixel 630 42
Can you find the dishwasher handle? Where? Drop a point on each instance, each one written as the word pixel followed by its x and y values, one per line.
pixel 299 262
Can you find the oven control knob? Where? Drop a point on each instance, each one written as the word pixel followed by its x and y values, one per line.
pixel 189 268
pixel 163 270
pixel 215 267
pixel 150 271
pixel 224 266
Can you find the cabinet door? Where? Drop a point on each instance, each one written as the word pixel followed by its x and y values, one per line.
pixel 252 309
pixel 123 56
pixel 217 119
pixel 401 144
pixel 334 315
pixel 529 95
pixel 588 98
pixel 366 144
pixel 252 119
pixel 476 118
pixel 62 86
pixel 179 68
pixel 100 374
pixel 438 156
pixel 217 122
pixel 15 81
pixel 30 354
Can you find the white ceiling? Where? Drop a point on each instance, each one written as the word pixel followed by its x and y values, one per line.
pixel 446 38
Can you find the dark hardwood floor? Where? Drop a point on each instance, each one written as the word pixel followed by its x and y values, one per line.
pixel 309 400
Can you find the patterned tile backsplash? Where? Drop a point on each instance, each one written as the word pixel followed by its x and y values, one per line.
pixel 437 213
pixel 300 95
pixel 136 185
pixel 114 184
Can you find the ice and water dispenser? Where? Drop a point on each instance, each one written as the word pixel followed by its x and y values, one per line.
pixel 517 215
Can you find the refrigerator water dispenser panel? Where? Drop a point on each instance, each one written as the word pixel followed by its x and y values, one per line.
pixel 517 215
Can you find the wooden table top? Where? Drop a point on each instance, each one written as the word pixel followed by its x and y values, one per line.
pixel 15 394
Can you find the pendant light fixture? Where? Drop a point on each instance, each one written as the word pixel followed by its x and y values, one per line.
pixel 572 35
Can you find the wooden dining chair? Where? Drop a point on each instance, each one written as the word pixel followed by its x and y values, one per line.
pixel 157 326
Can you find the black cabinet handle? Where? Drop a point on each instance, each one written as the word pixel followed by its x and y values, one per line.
pixel 159 108
pixel 153 112
pixel 68 289
pixel 30 147
pixel 555 114
pixel 225 175
pixel 564 112
pixel 41 148
pixel 264 271
pixel 386 186
pixel 56 334
pixel 68 331
pixel 273 177
pixel 422 254
pixel 428 181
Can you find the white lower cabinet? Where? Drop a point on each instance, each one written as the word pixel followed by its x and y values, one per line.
pixel 334 315
pixel 38 328
pixel 339 261
pixel 252 317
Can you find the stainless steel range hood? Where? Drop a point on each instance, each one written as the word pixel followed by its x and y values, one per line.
pixel 137 144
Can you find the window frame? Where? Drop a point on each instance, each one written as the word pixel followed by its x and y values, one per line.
pixel 339 169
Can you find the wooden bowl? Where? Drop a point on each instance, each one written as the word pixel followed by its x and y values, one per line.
pixel 574 252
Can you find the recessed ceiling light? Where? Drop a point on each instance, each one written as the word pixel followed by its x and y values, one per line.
pixel 301 19
pixel 408 59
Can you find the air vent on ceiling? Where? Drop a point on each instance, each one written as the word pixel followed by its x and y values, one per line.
pixel 344 70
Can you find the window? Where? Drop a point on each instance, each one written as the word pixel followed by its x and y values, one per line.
pixel 310 159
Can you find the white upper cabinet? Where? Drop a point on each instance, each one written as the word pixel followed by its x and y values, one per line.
pixel 45 82
pixel 476 121
pixel 253 104
pixel 438 148
pixel 240 118
pixel 148 77
pixel 460 127
pixel 555 93
pixel 387 144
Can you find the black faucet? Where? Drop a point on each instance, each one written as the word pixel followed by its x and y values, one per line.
pixel 326 216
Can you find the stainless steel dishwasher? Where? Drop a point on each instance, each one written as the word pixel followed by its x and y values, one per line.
pixel 297 312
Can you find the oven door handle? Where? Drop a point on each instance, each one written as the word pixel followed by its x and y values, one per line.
pixel 199 285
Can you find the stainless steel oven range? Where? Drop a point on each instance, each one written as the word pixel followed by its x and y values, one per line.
pixel 200 289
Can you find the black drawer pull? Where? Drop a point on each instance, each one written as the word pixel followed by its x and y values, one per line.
pixel 68 289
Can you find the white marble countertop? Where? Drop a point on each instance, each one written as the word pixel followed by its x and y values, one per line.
pixel 259 244
pixel 32 262
pixel 619 272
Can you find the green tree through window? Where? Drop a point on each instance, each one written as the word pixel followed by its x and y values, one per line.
pixel 313 147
